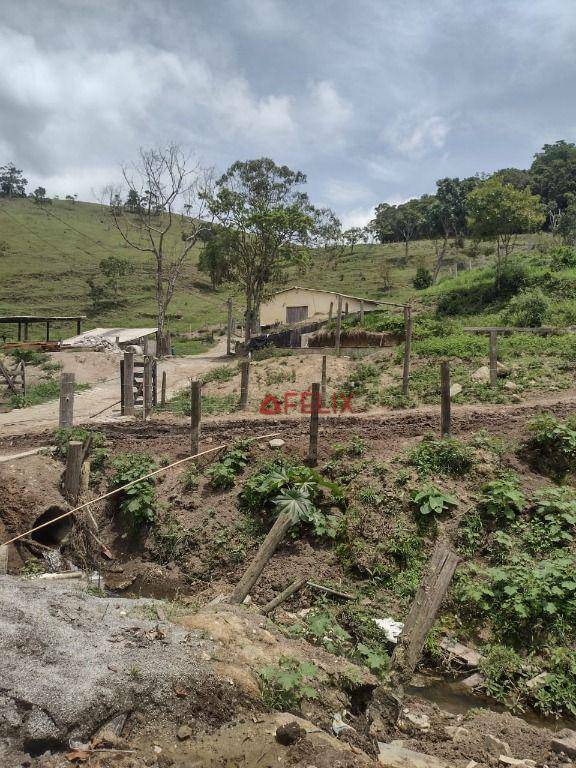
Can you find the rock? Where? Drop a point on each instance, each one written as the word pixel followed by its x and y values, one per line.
pixel 513 761
pixel 276 442
pixel 537 681
pixel 566 744
pixel 289 733
pixel 420 721
pixel 463 654
pixel 510 385
pixel 473 681
pixel 164 761
pixel 184 732
pixel 482 374
pixel 455 389
pixel 457 733
pixel 496 746
pixel 395 756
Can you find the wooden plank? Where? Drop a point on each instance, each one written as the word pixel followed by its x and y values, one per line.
pixel 407 350
pixel 285 594
pixel 423 611
pixel 73 471
pixel 267 548
pixel 314 418
pixel 244 383
pixel 445 402
pixel 9 380
pixel 195 414
pixel 66 410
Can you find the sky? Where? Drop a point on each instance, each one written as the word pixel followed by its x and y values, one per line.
pixel 373 99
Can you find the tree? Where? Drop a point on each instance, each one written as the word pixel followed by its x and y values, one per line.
pixel 517 177
pixel 398 222
pixel 499 212
pixel 39 196
pixel 566 226
pixel 353 236
pixel 12 181
pixel 213 258
pixel 166 182
pixel 268 220
pixel 114 268
pixel 133 202
pixel 553 172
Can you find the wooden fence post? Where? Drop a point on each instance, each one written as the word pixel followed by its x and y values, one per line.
pixel 195 415
pixel 163 391
pixel 407 349
pixel 493 342
pixel 148 389
pixel 244 383
pixel 433 587
pixel 229 328
pixel 128 385
pixel 445 403
pixel 73 471
pixel 330 311
pixel 324 380
pixel 338 325
pixel 361 313
pixel 314 411
pixel 66 412
pixel 267 549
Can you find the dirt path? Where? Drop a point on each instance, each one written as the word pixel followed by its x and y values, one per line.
pixel 87 404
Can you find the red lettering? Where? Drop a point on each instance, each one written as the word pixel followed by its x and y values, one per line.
pixel 287 403
pixel 270 406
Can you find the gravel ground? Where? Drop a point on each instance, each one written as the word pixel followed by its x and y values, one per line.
pixel 72 661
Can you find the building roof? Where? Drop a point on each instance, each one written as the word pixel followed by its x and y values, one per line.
pixel 332 293
pixel 95 335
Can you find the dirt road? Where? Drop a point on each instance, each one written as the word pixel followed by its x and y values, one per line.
pixel 105 394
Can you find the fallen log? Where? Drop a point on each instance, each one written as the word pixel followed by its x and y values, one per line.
pixel 251 575
pixel 284 595
pixel 422 614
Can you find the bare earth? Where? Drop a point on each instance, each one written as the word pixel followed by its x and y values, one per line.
pixel 101 370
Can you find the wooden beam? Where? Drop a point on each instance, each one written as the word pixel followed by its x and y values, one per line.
pixel 267 548
pixel 314 417
pixel 195 414
pixel 423 611
pixel 445 403
pixel 66 411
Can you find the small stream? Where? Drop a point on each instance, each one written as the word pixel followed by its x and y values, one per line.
pixel 452 696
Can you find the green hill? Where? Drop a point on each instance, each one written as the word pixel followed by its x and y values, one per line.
pixel 48 254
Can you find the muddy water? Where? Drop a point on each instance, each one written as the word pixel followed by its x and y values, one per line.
pixel 452 696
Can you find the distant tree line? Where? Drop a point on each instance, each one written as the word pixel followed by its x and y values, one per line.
pixel 496 207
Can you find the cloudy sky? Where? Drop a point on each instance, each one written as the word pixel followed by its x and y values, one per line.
pixel 373 99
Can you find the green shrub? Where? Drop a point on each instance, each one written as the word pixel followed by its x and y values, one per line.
pixel 98 452
pixel 190 478
pixel 285 686
pixel 223 473
pixel 524 598
pixel 502 499
pixel 30 356
pixel 423 279
pixel 138 502
pixel 563 257
pixel 363 377
pixel 295 490
pixel 529 309
pixel 445 456
pixel 41 392
pixel 222 373
pixel 556 695
pixel 551 446
pixel 503 670
pixel 431 500
pixel 556 508
pixel 355 447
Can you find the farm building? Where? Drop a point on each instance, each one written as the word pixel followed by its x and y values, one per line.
pixel 294 305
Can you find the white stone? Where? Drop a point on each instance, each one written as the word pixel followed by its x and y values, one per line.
pixel 510 385
pixel 496 746
pixel 482 374
pixel 455 389
pixel 276 442
pixel 394 756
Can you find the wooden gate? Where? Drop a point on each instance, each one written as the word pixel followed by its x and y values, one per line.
pixel 140 370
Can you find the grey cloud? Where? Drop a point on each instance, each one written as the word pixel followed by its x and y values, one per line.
pixel 373 99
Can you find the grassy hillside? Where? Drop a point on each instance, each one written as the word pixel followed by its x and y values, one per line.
pixel 47 256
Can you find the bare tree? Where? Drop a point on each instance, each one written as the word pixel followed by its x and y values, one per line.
pixel 169 220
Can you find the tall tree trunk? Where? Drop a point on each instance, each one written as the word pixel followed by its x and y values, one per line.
pixel 161 304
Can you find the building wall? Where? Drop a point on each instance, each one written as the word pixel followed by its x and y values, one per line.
pixel 318 303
